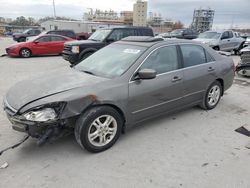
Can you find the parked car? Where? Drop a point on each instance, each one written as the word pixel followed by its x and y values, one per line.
pixel 70 34
pixel 8 33
pixel 243 68
pixel 66 33
pixel 41 45
pixel 184 34
pixel 120 85
pixel 21 37
pixel 222 40
pixel 247 42
pixel 76 51
pixel 164 35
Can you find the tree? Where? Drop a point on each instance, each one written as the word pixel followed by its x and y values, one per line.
pixel 53 18
pixel 178 25
pixel 22 21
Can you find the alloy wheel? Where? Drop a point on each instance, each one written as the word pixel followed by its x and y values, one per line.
pixel 213 95
pixel 102 130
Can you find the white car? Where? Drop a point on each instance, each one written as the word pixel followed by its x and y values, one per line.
pixel 222 40
pixel 247 43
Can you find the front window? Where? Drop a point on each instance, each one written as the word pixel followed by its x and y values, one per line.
pixel 192 55
pixel 26 31
pixel 162 60
pixel 209 35
pixel 111 61
pixel 100 35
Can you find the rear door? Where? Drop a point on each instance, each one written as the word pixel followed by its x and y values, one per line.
pixel 225 41
pixel 161 94
pixel 56 44
pixel 198 73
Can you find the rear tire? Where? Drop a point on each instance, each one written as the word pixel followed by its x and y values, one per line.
pixel 217 48
pixel 98 128
pixel 25 53
pixel 212 96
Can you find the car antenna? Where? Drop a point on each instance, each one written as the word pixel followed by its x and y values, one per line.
pixel 15 145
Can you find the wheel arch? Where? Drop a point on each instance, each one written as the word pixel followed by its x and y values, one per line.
pixel 25 48
pixel 222 85
pixel 86 51
pixel 118 109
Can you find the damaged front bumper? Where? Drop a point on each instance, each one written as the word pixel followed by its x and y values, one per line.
pixel 43 131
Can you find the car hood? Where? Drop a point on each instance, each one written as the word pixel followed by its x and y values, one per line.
pixel 49 84
pixel 83 42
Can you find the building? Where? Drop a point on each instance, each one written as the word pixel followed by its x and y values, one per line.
pixel 100 15
pixel 77 26
pixel 155 20
pixel 202 19
pixel 127 17
pixel 140 13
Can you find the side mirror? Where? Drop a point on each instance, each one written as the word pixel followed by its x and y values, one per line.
pixel 147 74
pixel 35 42
pixel 110 40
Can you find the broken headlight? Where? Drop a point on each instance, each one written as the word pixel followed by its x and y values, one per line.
pixel 42 115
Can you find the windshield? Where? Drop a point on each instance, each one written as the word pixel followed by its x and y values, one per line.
pixel 100 35
pixel 111 61
pixel 177 32
pixel 209 35
pixel 26 31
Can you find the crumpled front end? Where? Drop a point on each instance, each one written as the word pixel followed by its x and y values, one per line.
pixel 243 68
pixel 42 129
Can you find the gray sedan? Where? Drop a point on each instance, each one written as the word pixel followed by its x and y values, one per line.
pixel 118 86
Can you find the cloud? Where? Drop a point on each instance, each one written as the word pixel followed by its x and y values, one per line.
pixel 226 11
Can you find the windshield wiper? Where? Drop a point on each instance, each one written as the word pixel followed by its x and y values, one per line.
pixel 94 40
pixel 88 72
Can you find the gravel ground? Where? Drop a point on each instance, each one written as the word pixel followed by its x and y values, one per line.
pixel 192 148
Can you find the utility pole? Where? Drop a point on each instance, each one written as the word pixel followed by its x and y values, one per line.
pixel 54 7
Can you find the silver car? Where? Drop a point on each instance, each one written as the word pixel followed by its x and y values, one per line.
pixel 120 85
pixel 222 40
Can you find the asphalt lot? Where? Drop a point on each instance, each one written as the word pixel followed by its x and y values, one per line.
pixel 192 148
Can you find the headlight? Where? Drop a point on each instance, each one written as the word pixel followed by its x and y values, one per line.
pixel 75 49
pixel 43 115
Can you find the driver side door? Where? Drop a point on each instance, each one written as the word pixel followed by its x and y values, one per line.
pixel 164 92
pixel 41 46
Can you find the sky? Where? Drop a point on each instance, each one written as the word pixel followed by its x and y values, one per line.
pixel 227 12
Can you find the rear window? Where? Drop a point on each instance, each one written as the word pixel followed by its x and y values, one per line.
pixel 144 32
pixel 193 55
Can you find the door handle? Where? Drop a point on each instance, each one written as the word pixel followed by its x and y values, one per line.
pixel 176 78
pixel 228 40
pixel 210 69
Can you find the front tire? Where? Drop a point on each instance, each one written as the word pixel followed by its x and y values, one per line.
pixel 98 129
pixel 25 52
pixel 212 97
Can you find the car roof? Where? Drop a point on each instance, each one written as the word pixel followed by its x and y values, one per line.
pixel 126 27
pixel 61 30
pixel 55 35
pixel 151 41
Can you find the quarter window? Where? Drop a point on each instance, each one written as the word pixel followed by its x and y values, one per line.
pixel 162 60
pixel 192 55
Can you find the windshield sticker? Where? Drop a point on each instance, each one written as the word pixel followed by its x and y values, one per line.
pixel 131 51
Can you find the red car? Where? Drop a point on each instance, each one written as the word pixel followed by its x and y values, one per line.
pixel 41 45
